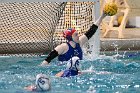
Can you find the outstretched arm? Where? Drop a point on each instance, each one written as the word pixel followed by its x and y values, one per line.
pixel 60 49
pixel 50 56
pixel 84 38
pixel 99 20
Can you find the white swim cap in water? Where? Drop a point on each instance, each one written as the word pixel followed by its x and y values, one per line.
pixel 73 63
pixel 42 82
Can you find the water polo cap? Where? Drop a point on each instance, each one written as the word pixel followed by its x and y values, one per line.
pixel 68 34
pixel 42 82
pixel 73 63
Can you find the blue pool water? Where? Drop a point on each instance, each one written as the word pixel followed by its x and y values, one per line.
pixel 112 74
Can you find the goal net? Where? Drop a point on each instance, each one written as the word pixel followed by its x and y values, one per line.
pixel 28 27
pixel 36 27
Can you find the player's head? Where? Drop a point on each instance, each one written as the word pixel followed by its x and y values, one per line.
pixel 71 35
pixel 73 63
pixel 42 82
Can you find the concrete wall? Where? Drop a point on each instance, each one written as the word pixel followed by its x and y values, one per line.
pixel 134 21
pixel 138 21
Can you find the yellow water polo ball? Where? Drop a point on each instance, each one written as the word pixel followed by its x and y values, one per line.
pixel 110 9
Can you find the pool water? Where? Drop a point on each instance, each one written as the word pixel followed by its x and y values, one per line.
pixel 112 74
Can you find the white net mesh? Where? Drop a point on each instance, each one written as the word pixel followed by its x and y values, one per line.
pixel 37 27
pixel 77 15
pixel 28 27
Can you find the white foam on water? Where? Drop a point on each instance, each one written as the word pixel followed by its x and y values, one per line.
pixel 4 56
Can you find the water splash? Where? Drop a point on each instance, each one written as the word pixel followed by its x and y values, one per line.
pixel 91 90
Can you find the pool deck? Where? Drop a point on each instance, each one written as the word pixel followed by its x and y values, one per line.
pixel 111 44
pixel 107 44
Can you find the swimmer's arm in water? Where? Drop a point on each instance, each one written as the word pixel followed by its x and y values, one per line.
pixel 84 38
pixel 59 74
pixel 30 88
pixel 60 49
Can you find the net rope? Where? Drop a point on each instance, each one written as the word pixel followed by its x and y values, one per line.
pixel 28 27
pixel 36 27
